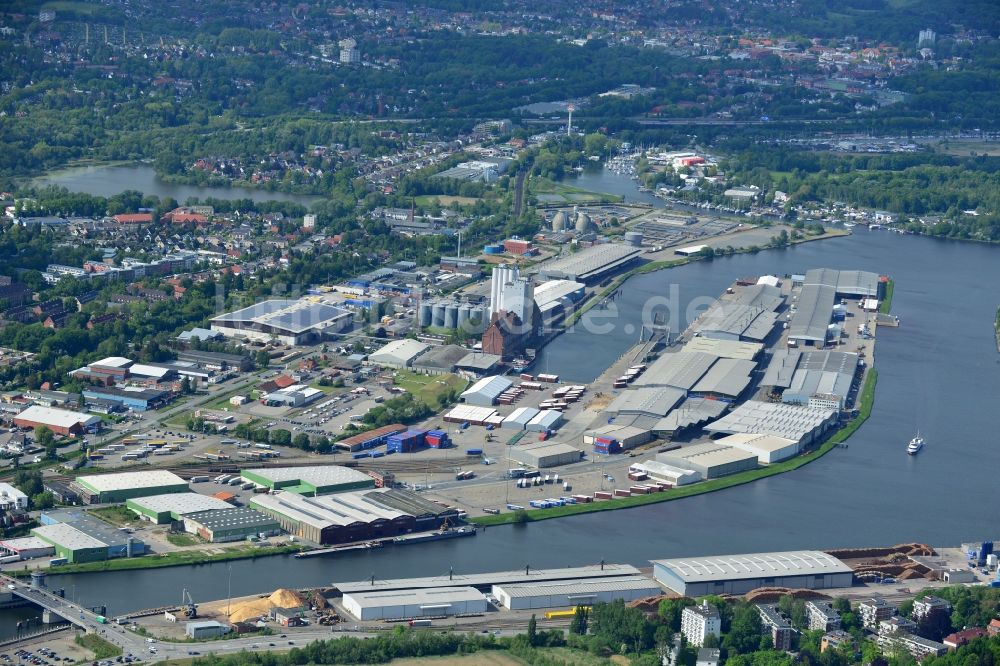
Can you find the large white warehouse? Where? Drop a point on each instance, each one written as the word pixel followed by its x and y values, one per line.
pixel 566 593
pixel 404 604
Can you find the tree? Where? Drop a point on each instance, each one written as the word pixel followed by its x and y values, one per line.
pixel 744 631
pixel 579 623
pixel 262 359
pixel 301 441
pixel 532 630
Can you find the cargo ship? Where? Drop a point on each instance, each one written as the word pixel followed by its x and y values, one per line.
pixel 447 533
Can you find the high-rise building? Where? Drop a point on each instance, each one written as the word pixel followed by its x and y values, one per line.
pixel 349 53
pixel 926 37
pixel 309 221
pixel 697 622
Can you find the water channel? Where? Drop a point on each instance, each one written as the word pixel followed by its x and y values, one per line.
pixel 939 372
pixel 107 181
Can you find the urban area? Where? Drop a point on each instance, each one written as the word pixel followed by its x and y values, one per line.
pixel 308 283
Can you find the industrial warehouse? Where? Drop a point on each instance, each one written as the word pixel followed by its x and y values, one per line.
pixel 590 264
pixel 101 488
pixel 406 604
pixel 309 481
pixel 78 537
pixel 290 322
pixel 353 516
pixel 739 574
pixel 172 507
pixel 59 421
pixel 568 593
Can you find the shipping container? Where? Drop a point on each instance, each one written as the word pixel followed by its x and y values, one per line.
pixel 621 492
pixel 603 495
pixel 199 479
pixel 473 452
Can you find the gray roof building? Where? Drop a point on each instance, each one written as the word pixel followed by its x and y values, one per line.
pixel 590 263
pixel 812 317
pixel 795 422
pixel 650 400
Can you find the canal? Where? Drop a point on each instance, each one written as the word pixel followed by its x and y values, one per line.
pixel 107 181
pixel 938 372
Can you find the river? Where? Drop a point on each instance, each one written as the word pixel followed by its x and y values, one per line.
pixel 107 181
pixel 939 372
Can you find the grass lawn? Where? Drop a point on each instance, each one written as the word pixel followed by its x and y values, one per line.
pixel 184 539
pixel 176 559
pixel 886 303
pixel 865 404
pixel 101 648
pixel 427 388
pixel 569 193
pixel 119 516
pixel 426 200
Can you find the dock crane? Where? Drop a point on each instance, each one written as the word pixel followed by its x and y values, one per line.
pixel 191 612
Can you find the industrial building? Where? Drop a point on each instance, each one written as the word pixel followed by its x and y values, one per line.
pixel 82 538
pixel 557 297
pixel 810 324
pixel 699 374
pixel 163 509
pixel 309 481
pixel 739 574
pixel 12 498
pixel 205 629
pixel 24 548
pixel 439 360
pixel 451 315
pixel 519 418
pixel 750 314
pixel 661 471
pixel 398 353
pixel 370 438
pixel 230 524
pixel 486 391
pixel 768 448
pixel 545 420
pixel 353 516
pixel 802 424
pixel 568 593
pixel 654 401
pixel 59 421
pixel 406 604
pixel 692 413
pixel 129 397
pixel 627 436
pixel 545 455
pixel 723 348
pixel 816 378
pixel 292 322
pixel 295 395
pixel 710 459
pixel 847 284
pixel 101 488
pixel 590 264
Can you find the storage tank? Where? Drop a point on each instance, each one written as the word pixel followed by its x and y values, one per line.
pixel 495 248
pixel 437 315
pixel 633 238
pixel 464 314
pixel 451 316
pixel 560 221
pixel 425 316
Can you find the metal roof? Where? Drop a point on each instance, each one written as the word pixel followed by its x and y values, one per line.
pixel 756 443
pixel 545 419
pixel 773 418
pixel 727 377
pixel 126 480
pixel 62 418
pixel 443 357
pixel 652 400
pixel 589 261
pixel 445 579
pixel 67 536
pixel 815 309
pixel 180 503
pixel 693 411
pixel 680 369
pixel 707 454
pixel 230 517
pixel 431 596
pixel 782 367
pixel 293 316
pixel 579 587
pixel 753 565
pixel 327 475
pixel 521 416
pixel 490 387
pixel 400 352
pixel 113 362
pixel 746 351
pixel 750 312
pixel 848 283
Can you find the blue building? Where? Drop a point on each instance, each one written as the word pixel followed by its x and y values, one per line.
pixel 139 400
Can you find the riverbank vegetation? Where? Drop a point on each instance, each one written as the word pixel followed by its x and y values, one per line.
pixel 172 559
pixel 866 401
pixel 101 648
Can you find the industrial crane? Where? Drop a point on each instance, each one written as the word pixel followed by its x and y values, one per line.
pixel 191 612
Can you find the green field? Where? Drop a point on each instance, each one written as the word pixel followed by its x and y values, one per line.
pixel 866 402
pixel 175 559
pixel 427 200
pixel 428 388
pixel 101 648
pixel 569 193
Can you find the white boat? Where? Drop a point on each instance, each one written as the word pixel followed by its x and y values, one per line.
pixel 917 443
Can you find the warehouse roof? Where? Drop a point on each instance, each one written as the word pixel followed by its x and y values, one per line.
pixel 67 536
pixel 691 412
pixel 489 387
pixel 727 377
pixel 443 357
pixel 399 352
pixel 478 361
pixel 230 517
pixel 750 312
pixel 362 506
pixel 553 291
pixel 293 316
pixel 781 368
pixel 822 382
pixel 470 413
pixel 652 400
pixel 521 416
pixel 24 543
pixel 708 454
pixel 754 565
pixel 329 475
pixel 773 418
pixel 589 261
pixel 618 431
pixel 113 362
pixel 441 596
pixel 578 588
pixel 815 309
pixel 62 418
pixel 545 449
pixel 680 369
pixel 656 468
pixel 756 442
pixel 746 351
pixel 495 578
pixel 126 480
pixel 179 503
pixel 150 370
pixel 546 418
pixel 848 283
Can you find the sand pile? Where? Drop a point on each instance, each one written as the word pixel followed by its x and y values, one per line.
pixel 254 608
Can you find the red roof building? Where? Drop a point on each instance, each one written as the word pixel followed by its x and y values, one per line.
pixel 133 218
